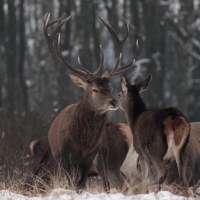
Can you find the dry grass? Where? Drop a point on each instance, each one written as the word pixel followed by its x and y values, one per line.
pixel 15 181
pixel 16 163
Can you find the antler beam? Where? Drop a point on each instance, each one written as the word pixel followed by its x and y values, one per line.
pixel 58 56
pixel 118 69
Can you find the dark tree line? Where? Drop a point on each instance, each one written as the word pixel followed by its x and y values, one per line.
pixel 169 39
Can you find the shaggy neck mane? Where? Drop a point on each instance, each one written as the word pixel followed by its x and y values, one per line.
pixel 88 127
pixel 88 115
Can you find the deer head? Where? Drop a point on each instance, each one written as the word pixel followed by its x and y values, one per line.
pixel 130 93
pixel 97 88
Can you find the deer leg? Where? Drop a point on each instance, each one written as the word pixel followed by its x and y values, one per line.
pixel 68 162
pixel 170 145
pixel 84 174
pixel 104 172
pixel 102 166
pixel 86 166
pixel 144 171
pixel 181 161
pixel 161 171
pixel 176 153
pixel 183 166
pixel 116 179
pixel 66 165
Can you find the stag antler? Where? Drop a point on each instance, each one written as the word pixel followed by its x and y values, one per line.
pixel 118 69
pixel 94 74
pixel 58 56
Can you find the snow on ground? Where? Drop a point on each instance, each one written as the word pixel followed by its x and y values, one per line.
pixel 62 194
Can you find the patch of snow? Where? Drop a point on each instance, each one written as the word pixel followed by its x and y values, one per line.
pixel 196 42
pixel 183 31
pixel 165 3
pixel 42 63
pixel 138 68
pixel 61 194
pixel 29 83
pixel 175 6
pixel 65 52
pixel 196 4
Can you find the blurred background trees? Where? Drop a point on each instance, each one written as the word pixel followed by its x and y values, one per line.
pixel 32 84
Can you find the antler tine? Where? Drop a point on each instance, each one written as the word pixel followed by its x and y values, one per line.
pixel 50 37
pixel 128 66
pixel 47 24
pixel 77 71
pixel 47 17
pixel 89 73
pixel 119 44
pixel 113 33
pixel 101 62
pixel 125 68
pixel 98 69
pixel 136 49
pixel 118 63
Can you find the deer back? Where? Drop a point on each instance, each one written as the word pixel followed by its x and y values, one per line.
pixel 152 128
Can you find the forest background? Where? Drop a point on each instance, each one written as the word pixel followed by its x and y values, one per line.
pixel 34 89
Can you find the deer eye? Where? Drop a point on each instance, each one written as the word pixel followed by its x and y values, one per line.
pixel 95 90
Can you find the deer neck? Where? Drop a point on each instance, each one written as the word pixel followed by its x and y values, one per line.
pixel 134 109
pixel 86 110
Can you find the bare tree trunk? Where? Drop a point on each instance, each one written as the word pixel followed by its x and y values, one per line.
pixel 11 57
pixel 185 64
pixel 152 17
pixel 96 43
pixel 112 16
pixel 22 45
pixel 2 28
pixel 65 96
pixel 85 18
pixel 135 18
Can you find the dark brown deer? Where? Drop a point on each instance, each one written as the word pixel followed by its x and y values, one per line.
pixel 192 154
pixel 78 132
pixel 120 142
pixel 159 134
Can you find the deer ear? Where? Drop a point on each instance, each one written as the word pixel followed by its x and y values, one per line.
pixel 143 84
pixel 124 84
pixel 105 73
pixel 78 81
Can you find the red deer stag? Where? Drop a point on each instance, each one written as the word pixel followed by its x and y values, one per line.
pixel 118 151
pixel 159 134
pixel 78 132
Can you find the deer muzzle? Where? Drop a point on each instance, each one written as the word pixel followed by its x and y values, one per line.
pixel 113 104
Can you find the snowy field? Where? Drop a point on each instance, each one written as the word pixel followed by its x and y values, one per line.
pixel 62 194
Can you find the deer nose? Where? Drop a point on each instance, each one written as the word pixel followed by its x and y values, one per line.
pixel 113 102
